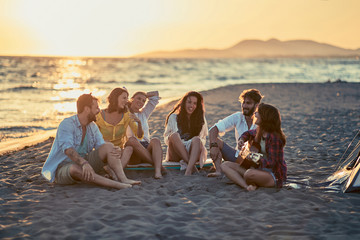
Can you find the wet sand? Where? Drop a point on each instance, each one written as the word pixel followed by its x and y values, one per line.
pixel 319 120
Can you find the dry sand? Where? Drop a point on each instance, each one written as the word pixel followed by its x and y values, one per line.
pixel 319 120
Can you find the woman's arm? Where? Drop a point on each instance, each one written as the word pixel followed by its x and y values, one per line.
pixel 135 125
pixel 153 100
pixel 152 93
pixel 246 136
pixel 275 153
pixel 140 132
pixel 170 128
pixel 204 132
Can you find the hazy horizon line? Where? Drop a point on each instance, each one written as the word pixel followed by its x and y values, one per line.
pixel 184 49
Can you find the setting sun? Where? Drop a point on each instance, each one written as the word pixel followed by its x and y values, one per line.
pixel 124 28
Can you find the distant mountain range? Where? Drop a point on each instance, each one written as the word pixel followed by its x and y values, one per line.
pixel 258 48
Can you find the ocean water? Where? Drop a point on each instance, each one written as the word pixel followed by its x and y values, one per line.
pixel 36 93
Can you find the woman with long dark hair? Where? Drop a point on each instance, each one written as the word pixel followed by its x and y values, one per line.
pixel 186 131
pixel 270 139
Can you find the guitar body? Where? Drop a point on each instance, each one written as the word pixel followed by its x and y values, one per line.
pixel 252 147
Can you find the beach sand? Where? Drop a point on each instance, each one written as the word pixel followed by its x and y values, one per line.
pixel 319 120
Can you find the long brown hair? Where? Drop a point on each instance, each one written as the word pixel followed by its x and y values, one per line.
pixel 270 121
pixel 196 118
pixel 113 100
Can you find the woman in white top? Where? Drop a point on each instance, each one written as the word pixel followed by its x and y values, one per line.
pixel 145 149
pixel 186 131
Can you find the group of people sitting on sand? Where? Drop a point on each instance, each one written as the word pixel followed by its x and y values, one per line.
pixel 106 140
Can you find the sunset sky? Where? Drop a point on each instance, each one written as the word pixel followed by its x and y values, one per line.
pixel 128 27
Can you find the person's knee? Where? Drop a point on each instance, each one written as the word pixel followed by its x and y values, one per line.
pixel 131 141
pixel 107 146
pixel 249 175
pixel 105 149
pixel 155 142
pixel 129 149
pixel 75 172
pixel 196 140
pixel 224 166
pixel 174 136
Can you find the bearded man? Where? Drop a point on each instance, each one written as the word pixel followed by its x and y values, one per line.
pixel 79 151
pixel 241 121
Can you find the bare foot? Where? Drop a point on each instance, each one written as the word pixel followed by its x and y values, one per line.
pixel 163 171
pixel 251 188
pixel 158 176
pixel 132 182
pixel 123 185
pixel 110 172
pixel 214 174
pixel 188 173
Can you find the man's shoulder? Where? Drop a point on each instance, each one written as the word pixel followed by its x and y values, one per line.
pixel 234 116
pixel 68 120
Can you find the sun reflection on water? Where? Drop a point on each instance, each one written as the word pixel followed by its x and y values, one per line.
pixel 66 84
pixel 72 62
pixel 63 107
pixel 72 84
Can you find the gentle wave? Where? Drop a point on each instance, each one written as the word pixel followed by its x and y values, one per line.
pixel 25 128
pixel 20 132
pixel 43 90
pixel 20 88
pixel 30 88
pixel 142 82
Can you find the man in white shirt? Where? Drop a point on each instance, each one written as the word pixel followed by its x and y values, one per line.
pixel 79 151
pixel 241 121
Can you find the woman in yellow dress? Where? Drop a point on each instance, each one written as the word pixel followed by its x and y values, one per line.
pixel 114 121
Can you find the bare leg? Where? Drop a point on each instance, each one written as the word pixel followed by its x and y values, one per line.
pixel 110 172
pixel 259 178
pixel 194 155
pixel 110 153
pixel 217 161
pixel 153 154
pixel 76 173
pixel 138 150
pixel 126 155
pixel 177 150
pixel 156 152
pixel 235 173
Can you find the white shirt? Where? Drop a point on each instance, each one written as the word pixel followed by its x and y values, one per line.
pixel 236 120
pixel 144 116
pixel 69 135
pixel 172 127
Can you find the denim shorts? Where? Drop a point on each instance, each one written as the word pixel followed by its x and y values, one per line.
pixel 228 153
